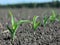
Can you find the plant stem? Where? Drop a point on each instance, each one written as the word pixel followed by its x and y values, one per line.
pixel 13 36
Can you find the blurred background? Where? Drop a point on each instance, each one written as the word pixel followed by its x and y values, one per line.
pixel 29 3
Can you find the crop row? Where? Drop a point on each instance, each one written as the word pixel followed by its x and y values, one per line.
pixel 52 18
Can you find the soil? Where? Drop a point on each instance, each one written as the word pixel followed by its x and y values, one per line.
pixel 25 35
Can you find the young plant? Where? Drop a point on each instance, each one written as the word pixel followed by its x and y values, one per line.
pixel 15 25
pixel 45 20
pixel 34 23
pixel 52 17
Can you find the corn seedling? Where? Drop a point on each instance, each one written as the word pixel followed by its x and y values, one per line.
pixel 35 23
pixel 52 17
pixel 45 20
pixel 15 25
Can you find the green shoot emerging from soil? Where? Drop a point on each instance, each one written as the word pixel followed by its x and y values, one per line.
pixel 34 23
pixel 15 25
pixel 45 20
pixel 52 17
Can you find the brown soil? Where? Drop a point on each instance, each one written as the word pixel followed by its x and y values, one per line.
pixel 25 34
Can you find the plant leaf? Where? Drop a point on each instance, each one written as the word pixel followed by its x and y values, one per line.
pixel 15 26
pixel 53 16
pixel 45 20
pixel 22 21
pixel 11 31
pixel 36 25
pixel 34 19
pixel 12 20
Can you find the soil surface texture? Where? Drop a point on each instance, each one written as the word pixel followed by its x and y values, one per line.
pixel 25 35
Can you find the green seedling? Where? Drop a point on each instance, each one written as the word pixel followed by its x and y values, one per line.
pixel 15 25
pixel 52 17
pixel 35 23
pixel 45 20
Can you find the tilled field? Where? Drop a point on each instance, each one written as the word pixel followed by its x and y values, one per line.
pixel 25 35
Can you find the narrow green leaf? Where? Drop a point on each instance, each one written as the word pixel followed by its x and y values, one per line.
pixel 11 31
pixel 45 20
pixel 53 16
pixel 36 25
pixel 12 19
pixel 22 21
pixel 35 18
pixel 15 26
